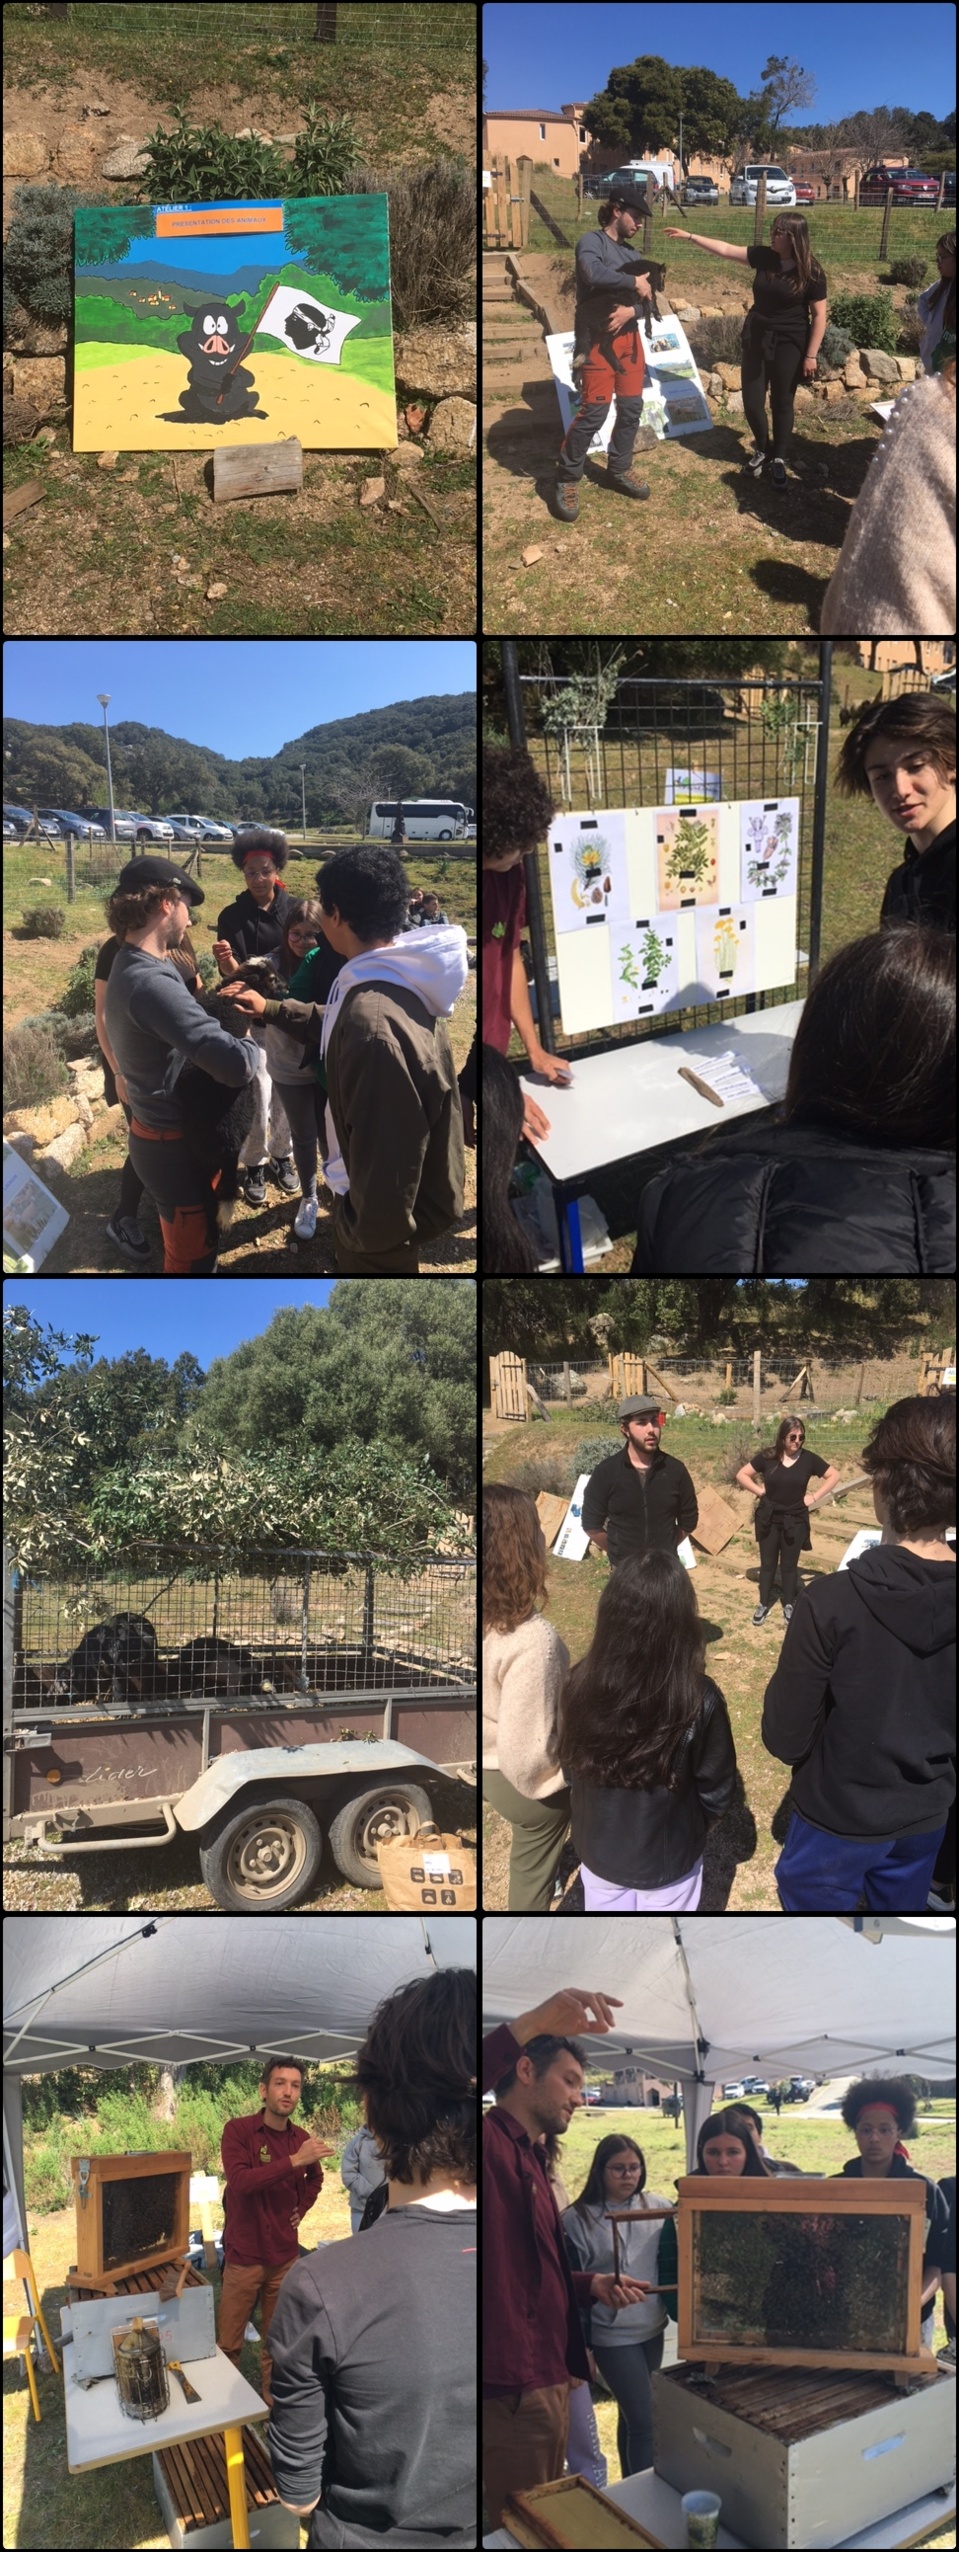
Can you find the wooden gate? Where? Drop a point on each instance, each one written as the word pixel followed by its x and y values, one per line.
pixel 508 1387
pixel 937 1372
pixel 506 203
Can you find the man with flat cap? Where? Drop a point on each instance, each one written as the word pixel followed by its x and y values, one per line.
pixel 639 1500
pixel 609 299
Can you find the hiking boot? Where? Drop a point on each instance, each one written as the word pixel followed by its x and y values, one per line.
pixel 778 474
pixel 127 1236
pixel 755 462
pixel 253 1185
pixel 626 483
pixel 285 1175
pixel 565 501
pixel 760 1614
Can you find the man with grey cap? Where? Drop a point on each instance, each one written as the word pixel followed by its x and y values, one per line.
pixel 611 286
pixel 155 1025
pixel 639 1500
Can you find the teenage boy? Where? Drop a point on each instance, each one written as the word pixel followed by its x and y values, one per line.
pixel 639 1500
pixel 517 812
pixel 902 753
pixel 393 1119
pixel 273 2177
pixel 153 1024
pixel 253 926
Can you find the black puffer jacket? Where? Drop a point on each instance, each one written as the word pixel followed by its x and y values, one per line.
pixel 652 1838
pixel 923 888
pixel 799 1200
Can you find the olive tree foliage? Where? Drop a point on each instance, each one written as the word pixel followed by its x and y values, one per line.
pixel 73 1500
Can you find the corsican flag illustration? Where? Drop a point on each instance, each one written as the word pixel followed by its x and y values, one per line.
pixel 305 326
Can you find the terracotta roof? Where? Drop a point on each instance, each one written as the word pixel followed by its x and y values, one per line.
pixel 533 114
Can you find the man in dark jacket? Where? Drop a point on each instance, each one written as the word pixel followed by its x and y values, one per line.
pixel 610 293
pixel 863 1704
pixel 640 1499
pixel 532 2334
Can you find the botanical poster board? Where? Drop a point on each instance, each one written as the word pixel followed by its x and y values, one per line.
pixel 802 2272
pixel 206 325
pixel 667 908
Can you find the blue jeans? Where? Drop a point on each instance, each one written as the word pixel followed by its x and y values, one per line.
pixel 819 1873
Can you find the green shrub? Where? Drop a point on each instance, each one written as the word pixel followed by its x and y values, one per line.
pixel 869 317
pixel 81 1037
pixel 716 340
pixel 39 251
pixel 43 921
pixel 909 270
pixel 33 1068
pixel 726 1399
pixel 323 156
pixel 200 164
pixel 432 238
pixel 77 997
pixel 837 346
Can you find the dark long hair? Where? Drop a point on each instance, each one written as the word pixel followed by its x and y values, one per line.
pixel 730 2122
pixel 593 2192
pixel 786 1429
pixel 514 1556
pixel 506 1250
pixel 417 2067
pixel 875 1050
pixel 796 229
pixel 627 1706
pixel 911 1456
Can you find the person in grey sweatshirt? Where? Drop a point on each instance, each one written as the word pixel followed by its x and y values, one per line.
pixel 155 1025
pixel 627 2346
pixel 361 2170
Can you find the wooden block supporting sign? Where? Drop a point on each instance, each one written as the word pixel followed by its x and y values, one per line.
pixel 257 469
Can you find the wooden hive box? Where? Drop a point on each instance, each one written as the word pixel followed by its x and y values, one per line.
pixel 802 2273
pixel 132 2210
pixel 801 2460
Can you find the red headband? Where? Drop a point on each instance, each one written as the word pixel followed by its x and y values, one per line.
pixel 880 2104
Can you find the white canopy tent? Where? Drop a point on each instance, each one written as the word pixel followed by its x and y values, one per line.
pixel 108 1990
pixel 705 1998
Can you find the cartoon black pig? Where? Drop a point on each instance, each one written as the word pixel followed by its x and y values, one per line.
pixel 210 346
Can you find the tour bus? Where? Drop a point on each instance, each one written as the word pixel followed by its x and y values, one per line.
pixel 424 820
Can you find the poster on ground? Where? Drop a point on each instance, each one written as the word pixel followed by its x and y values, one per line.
pixel 32 1218
pixel 205 325
pixel 673 398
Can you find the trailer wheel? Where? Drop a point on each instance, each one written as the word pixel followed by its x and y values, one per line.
pixel 262 1857
pixel 375 1816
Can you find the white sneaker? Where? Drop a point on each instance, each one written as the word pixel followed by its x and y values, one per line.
pixel 305 1224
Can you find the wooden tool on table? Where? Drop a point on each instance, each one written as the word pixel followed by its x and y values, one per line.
pixel 174 2368
pixel 173 2282
pixel 702 1086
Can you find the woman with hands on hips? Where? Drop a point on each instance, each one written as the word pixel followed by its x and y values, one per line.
pixel 780 1477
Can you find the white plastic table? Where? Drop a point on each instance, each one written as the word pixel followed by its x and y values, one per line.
pixel 631 1100
pixel 655 2504
pixel 98 2432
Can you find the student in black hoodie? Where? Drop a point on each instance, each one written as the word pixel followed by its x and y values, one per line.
pixel 881 2113
pixel 863 1698
pixel 902 753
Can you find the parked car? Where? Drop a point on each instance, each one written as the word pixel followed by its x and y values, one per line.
pixel 125 826
pixel 805 194
pixel 699 190
pixel 59 819
pixel 733 2090
pixel 905 185
pixel 203 825
pixel 745 185
pixel 797 2088
pixel 17 820
pixel 753 2085
pixel 949 189
pixel 182 830
pixel 153 828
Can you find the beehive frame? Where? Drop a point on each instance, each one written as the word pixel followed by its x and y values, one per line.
pixel 98 2255
pixel 839 2277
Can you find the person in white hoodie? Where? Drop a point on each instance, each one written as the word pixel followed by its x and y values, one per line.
pixel 394 1126
pixel 524 1667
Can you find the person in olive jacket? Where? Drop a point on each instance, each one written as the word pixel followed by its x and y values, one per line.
pixel 779 1475
pixel 862 1702
pixel 902 753
pixel 857 1173
pixel 640 1499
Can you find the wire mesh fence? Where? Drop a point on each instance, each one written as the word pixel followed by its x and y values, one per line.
pixel 165 1631
pixel 369 29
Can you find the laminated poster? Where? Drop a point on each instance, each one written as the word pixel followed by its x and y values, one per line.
pixel 725 952
pixel 645 965
pixel 587 870
pixel 206 325
pixel 687 856
pixel 673 399
pixel 769 848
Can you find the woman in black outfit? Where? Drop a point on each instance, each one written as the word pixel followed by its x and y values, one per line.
pixel 779 1477
pixel 782 333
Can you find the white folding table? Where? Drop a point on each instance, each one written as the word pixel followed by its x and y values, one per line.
pixel 98 2431
pixel 631 1101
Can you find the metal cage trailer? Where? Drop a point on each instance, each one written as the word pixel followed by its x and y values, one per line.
pixel 263 1709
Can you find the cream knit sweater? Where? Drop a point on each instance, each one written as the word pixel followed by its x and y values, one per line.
pixel 523 1672
pixel 897 571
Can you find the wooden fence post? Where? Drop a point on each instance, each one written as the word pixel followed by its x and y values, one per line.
pixel 757 1360
pixel 760 210
pixel 71 870
pixel 524 180
pixel 567 1385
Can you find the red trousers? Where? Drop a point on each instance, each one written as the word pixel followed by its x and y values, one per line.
pixel 601 382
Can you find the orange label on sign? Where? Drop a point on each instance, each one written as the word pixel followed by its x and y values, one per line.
pixel 207 225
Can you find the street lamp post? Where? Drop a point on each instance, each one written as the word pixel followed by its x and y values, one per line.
pixel 104 700
pixel 302 769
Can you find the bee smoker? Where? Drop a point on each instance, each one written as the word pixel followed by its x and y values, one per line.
pixel 141 2373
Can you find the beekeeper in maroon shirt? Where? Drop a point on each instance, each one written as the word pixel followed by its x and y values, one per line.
pixel 273 2177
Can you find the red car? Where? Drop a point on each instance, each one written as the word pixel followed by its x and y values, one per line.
pixel 905 185
pixel 805 194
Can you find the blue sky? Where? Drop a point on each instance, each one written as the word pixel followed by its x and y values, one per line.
pixel 236 696
pixel 209 1320
pixel 859 58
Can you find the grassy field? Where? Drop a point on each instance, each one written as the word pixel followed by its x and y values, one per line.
pixel 742 1849
pixel 813 2143
pixel 710 549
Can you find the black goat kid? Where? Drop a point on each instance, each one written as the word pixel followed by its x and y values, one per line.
pixel 216 1117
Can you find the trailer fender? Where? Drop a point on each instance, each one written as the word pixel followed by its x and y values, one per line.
pixel 232 1773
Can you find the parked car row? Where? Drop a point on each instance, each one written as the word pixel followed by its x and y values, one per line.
pixel 93 823
pixel 905 185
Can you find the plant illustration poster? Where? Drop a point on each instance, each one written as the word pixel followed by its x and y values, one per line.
pixel 769 847
pixel 198 325
pixel 645 967
pixel 587 870
pixel 687 855
pixel 725 952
